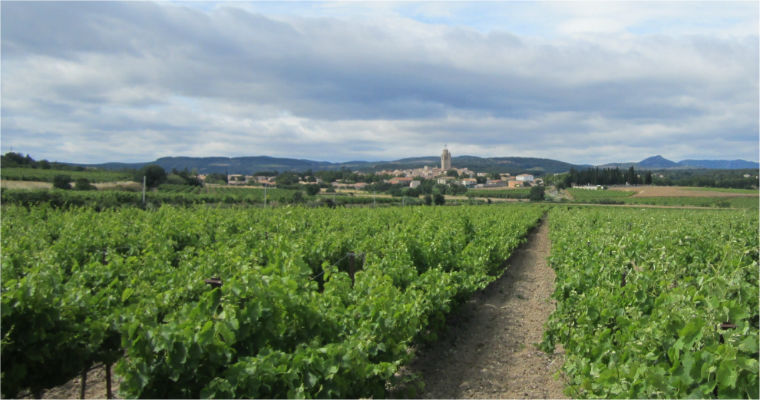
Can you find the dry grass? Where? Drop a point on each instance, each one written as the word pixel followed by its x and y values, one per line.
pixel 28 185
pixel 676 191
pixel 122 185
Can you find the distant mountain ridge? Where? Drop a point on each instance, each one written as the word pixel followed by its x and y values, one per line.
pixel 660 162
pixel 513 165
pixel 248 165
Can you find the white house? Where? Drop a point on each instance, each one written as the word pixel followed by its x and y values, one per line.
pixel 524 178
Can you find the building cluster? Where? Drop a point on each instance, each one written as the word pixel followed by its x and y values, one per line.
pixel 413 177
pixel 425 172
pixel 240 179
pixel 465 177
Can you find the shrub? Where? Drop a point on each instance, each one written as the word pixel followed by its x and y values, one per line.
pixel 62 182
pixel 83 184
pixel 536 193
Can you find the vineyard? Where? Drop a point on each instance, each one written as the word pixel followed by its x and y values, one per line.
pixel 211 301
pixel 183 195
pixel 656 303
pixel 231 302
pixel 502 194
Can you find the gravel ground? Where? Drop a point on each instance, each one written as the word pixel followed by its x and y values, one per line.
pixel 490 347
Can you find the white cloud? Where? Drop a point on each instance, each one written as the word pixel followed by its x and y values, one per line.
pixel 226 80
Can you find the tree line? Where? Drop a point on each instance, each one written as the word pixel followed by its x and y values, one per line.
pixel 604 176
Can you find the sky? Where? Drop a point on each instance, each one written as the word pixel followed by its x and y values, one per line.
pixel 581 82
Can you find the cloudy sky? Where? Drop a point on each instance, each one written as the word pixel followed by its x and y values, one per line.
pixel 578 82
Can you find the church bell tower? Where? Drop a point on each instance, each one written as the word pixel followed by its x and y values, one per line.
pixel 445 159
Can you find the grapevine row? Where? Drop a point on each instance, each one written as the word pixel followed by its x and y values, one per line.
pixel 656 303
pixel 294 316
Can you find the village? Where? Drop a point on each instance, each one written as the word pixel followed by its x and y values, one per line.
pixel 445 174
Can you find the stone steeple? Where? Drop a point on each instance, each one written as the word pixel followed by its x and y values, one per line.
pixel 445 159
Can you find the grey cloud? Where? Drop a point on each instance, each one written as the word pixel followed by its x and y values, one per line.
pixel 114 67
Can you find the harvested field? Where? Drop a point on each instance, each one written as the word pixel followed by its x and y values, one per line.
pixel 6 184
pixel 677 191
pixel 123 185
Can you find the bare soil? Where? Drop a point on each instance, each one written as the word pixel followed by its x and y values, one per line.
pixel 677 191
pixel 490 347
pixel 95 387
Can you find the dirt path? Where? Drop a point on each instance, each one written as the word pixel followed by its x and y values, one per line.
pixel 489 350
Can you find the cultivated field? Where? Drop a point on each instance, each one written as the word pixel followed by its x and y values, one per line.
pixel 680 191
pixel 204 292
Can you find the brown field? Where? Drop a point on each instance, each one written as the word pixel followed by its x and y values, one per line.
pixel 676 191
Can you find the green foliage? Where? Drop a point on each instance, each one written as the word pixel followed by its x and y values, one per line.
pixel 216 178
pixel 83 184
pixel 625 197
pixel 723 178
pixel 439 199
pixel 312 190
pixel 154 175
pixel 500 193
pixel 656 303
pixel 536 193
pixel 82 286
pixel 62 182
pixel 286 179
pixel 46 175
pixel 16 160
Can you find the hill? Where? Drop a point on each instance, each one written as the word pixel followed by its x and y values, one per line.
pixel 512 165
pixel 247 165
pixel 659 162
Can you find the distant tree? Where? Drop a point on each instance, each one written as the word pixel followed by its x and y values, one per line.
pixel 456 189
pixel 311 190
pixel 286 178
pixel 428 199
pixel 83 184
pixel 11 159
pixel 154 175
pixel 44 164
pixel 298 197
pixel 216 178
pixel 411 192
pixel 174 179
pixel 62 182
pixel 631 176
pixel 328 203
pixel 452 172
pixel 648 178
pixel 536 193
pixel 438 199
pixel 481 179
